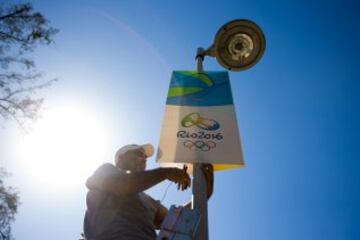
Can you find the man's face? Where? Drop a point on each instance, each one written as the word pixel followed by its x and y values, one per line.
pixel 134 160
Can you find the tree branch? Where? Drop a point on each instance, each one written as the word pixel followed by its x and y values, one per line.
pixel 21 30
pixel 29 89
pixel 13 37
pixel 25 8
pixel 13 104
pixel 11 114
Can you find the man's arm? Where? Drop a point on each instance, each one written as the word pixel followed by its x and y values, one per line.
pixel 125 183
pixel 134 182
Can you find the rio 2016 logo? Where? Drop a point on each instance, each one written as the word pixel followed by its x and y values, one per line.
pixel 202 140
pixel 194 119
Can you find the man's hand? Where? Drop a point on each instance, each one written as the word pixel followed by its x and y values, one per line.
pixel 208 171
pixel 178 176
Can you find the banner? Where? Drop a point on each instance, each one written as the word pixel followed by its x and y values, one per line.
pixel 199 122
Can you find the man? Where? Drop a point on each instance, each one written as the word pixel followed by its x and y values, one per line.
pixel 117 207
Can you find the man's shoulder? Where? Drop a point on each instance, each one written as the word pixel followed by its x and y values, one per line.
pixel 101 173
pixel 107 168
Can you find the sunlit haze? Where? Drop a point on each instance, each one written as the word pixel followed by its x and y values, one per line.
pixel 63 147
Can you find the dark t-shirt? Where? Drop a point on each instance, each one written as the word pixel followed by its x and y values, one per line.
pixel 117 217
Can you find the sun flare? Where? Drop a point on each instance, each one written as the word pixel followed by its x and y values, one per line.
pixel 64 147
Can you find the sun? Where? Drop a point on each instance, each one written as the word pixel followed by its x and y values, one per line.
pixel 64 147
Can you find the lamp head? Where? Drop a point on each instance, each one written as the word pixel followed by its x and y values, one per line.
pixel 238 45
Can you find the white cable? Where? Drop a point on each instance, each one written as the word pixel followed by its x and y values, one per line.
pixel 166 191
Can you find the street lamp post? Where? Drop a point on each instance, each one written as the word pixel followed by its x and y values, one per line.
pixel 199 200
pixel 238 45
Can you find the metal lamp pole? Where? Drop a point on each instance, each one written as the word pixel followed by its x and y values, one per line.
pixel 199 183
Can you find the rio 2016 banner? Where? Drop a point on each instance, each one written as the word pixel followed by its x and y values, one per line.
pixel 199 122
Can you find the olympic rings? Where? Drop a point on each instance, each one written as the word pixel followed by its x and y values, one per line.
pixel 203 146
pixel 194 119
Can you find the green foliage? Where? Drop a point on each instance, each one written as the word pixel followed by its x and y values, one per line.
pixel 9 201
pixel 21 30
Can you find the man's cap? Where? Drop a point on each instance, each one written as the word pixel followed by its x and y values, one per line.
pixel 147 148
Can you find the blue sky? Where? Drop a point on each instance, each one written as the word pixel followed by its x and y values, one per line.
pixel 297 110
